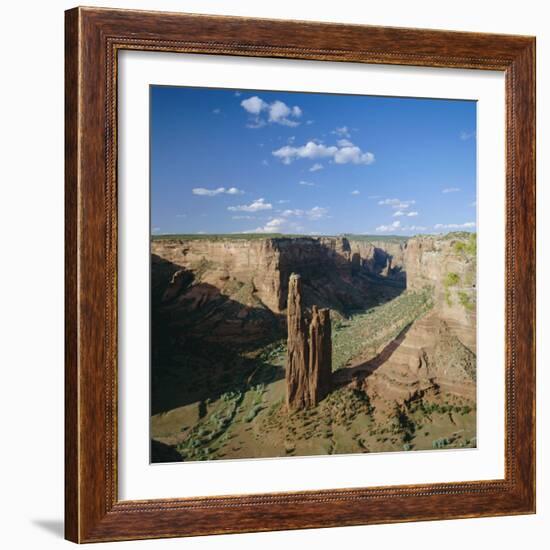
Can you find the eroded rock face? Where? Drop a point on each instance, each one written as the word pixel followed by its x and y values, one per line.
pixel 383 258
pixel 309 351
pixel 448 265
pixel 297 366
pixel 320 355
pixel 426 357
pixel 225 288
pixel 429 356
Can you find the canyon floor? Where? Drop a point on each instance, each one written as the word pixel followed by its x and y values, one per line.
pixel 224 398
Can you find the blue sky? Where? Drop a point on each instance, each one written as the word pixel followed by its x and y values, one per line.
pixel 233 161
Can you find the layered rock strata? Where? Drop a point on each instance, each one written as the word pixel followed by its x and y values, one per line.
pixel 309 351
pixel 297 365
pixel 320 354
pixel 447 265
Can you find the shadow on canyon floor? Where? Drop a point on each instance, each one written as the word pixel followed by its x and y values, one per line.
pixel 358 373
pixel 206 343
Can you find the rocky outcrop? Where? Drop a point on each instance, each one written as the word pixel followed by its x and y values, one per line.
pixel 309 351
pixel 447 264
pixel 384 258
pixel 320 354
pixel 227 287
pixel 297 365
pixel 425 357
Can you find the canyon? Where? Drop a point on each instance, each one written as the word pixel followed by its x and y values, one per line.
pixel 312 345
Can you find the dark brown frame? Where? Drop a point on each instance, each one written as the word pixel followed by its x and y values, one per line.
pixel 92 509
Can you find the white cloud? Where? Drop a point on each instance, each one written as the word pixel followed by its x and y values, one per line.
pixel 466 225
pixel 208 192
pixel 308 122
pixel 283 201
pixel 466 135
pixel 243 217
pixel 155 229
pixel 277 112
pixel 353 154
pixel 342 132
pixel 276 225
pixel 395 226
pixel 253 105
pixel 295 212
pixel 317 213
pixel 217 111
pixel 355 192
pixel 344 143
pixel 288 221
pixel 312 150
pixel 313 214
pixel 397 204
pixel 256 122
pixel 307 183
pixel 316 167
pixel 265 163
pixel 181 215
pixel 415 228
pixel 473 204
pixel 202 191
pixel 255 206
pixel 451 190
pixel 238 94
pixel 373 197
pixel 407 214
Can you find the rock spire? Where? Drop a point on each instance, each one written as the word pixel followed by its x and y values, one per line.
pixel 309 351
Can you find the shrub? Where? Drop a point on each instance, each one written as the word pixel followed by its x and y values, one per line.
pixel 451 279
pixel 465 301
pixel 440 443
pixel 468 247
pixel 253 413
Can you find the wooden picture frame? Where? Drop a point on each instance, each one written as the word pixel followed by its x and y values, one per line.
pixel 93 38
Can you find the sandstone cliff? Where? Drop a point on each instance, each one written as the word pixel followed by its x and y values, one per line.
pixel 384 258
pixel 309 351
pixel 426 357
pixel 448 265
pixel 297 365
pixel 320 354
pixel 237 288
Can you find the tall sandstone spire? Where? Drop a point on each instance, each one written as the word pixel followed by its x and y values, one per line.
pixel 320 355
pixel 297 395
pixel 309 351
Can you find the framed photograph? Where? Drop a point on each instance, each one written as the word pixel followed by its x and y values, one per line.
pixel 300 275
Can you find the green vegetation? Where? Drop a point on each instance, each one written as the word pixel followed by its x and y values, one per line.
pixel 403 426
pixel 206 437
pixel 466 301
pixel 227 400
pixel 366 332
pixel 451 279
pixel 468 247
pixel 440 443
